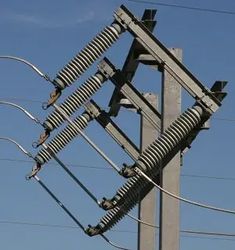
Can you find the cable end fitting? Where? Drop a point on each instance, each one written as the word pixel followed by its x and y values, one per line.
pixel 43 137
pixel 58 83
pixel 127 171
pixel 47 78
pixel 36 168
pixel 108 204
pixel 92 231
pixel 53 98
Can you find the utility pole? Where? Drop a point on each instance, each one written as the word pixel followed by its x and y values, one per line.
pixel 170 177
pixel 147 207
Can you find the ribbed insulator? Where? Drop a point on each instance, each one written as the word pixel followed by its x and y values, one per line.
pixel 62 139
pixel 177 131
pixel 88 55
pixel 74 101
pixel 149 162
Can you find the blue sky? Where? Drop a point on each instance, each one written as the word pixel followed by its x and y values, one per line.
pixel 49 34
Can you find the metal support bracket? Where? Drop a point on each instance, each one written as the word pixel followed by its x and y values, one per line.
pixel 167 60
pixel 131 63
pixel 130 92
pixel 112 129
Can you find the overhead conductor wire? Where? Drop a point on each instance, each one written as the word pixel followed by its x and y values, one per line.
pixel 33 67
pixel 216 11
pixel 54 197
pixel 65 226
pixel 140 172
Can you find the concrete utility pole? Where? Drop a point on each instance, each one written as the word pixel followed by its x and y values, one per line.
pixel 169 207
pixel 147 207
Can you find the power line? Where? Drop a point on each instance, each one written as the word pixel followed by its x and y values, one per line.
pixel 56 164
pixel 125 110
pixel 190 232
pixel 209 177
pixel 216 11
pixel 37 224
pixel 108 169
pixel 23 100
pixel 206 237
pixel 33 67
pixel 208 233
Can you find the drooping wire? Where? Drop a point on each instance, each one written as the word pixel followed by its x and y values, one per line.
pixel 113 244
pixel 18 146
pixel 141 173
pixel 141 221
pixel 23 110
pixel 36 69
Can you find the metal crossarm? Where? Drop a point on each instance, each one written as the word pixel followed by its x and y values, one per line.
pixel 166 59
